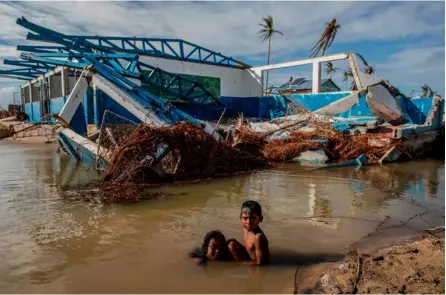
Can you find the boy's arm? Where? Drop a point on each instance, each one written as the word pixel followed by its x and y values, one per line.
pixel 258 244
pixel 259 247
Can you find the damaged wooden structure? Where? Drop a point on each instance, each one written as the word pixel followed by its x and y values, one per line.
pixel 97 90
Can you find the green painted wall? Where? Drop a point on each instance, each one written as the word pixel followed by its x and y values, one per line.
pixel 212 84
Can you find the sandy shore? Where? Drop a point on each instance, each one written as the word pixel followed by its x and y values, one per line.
pixel 414 267
pixel 34 139
pixel 26 133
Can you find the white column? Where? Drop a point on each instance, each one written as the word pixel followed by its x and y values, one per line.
pixel 49 87
pixel 30 89
pixel 316 77
pixel 22 96
pixel 64 81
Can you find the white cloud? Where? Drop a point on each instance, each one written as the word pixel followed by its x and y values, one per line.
pixel 395 21
pixel 231 28
pixel 7 96
pixel 8 51
pixel 415 67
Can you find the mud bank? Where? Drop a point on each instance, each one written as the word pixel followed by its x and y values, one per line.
pixel 17 131
pixel 414 267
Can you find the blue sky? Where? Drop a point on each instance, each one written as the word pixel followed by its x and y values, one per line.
pixel 403 41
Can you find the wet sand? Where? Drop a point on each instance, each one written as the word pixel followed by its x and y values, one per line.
pixel 410 267
pixel 42 134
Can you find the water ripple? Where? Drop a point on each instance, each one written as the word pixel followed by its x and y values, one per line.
pixel 45 239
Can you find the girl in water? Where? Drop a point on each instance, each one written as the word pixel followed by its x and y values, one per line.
pixel 214 247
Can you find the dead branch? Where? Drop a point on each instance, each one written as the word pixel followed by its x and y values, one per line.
pixel 339 290
pixel 433 231
pixel 296 285
pixel 358 274
pixel 380 228
pixel 382 222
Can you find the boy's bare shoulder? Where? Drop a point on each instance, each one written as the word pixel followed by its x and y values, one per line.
pixel 261 237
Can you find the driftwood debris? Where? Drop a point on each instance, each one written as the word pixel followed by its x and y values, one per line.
pixel 144 155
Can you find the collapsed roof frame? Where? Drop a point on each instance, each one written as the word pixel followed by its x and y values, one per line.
pixel 176 49
pixel 177 87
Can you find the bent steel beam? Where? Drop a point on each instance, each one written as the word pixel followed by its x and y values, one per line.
pixel 42 49
pixel 177 87
pixel 157 47
pixel 28 64
pixel 22 72
pixel 163 48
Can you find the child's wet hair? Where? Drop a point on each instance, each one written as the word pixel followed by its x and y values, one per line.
pixel 252 207
pixel 214 234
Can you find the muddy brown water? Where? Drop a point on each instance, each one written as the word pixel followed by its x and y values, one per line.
pixel 53 244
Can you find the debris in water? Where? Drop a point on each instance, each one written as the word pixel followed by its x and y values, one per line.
pixel 190 153
pixel 114 193
pixel 184 151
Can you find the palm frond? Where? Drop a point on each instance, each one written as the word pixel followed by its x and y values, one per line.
pixel 267 30
pixel 369 70
pixel 425 89
pixel 326 39
pixel 345 76
pixel 362 59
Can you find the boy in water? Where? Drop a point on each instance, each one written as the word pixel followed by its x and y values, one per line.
pixel 255 249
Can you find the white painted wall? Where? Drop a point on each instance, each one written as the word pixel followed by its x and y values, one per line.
pixel 233 82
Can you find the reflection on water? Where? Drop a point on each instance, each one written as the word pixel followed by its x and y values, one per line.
pixel 49 243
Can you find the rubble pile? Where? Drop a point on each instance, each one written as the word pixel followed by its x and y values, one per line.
pixel 291 147
pixel 288 140
pixel 184 151
pixel 19 116
pixel 115 193
pixel 191 154
pixel 351 147
pixel 335 145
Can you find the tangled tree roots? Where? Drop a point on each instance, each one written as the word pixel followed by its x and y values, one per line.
pixel 20 116
pixel 191 153
pixel 114 193
pixel 336 146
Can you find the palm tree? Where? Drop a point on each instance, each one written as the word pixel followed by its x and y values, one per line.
pixel 289 82
pixel 427 91
pixel 368 68
pixel 345 79
pixel 266 33
pixel 330 69
pixel 326 38
pixel 346 75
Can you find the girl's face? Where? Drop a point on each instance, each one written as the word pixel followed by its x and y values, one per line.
pixel 215 249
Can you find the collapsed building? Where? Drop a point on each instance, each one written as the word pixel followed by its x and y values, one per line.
pixel 97 90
